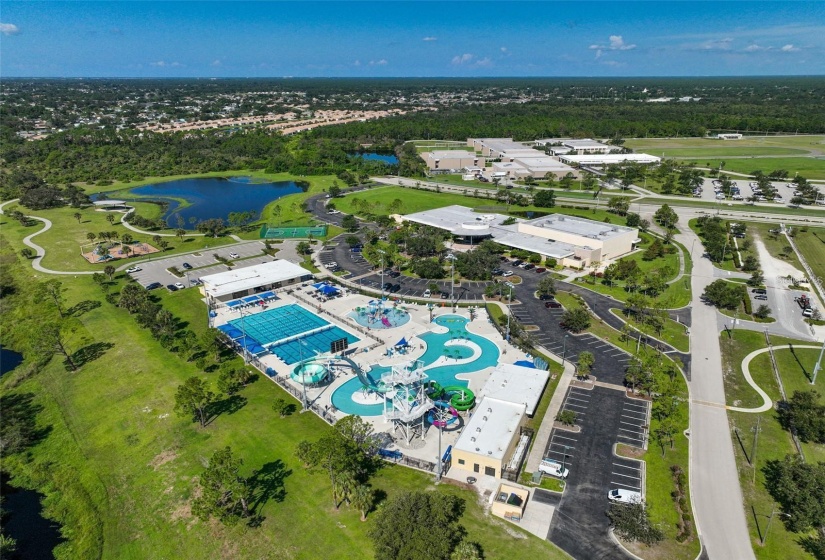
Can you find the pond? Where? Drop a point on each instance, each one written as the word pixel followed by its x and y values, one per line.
pixel 36 536
pixel 374 156
pixel 9 359
pixel 214 197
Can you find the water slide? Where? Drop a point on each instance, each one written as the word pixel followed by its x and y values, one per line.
pixel 364 378
pixel 441 420
pixel 385 321
pixel 461 398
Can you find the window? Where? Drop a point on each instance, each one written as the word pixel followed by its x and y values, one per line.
pixel 475 467
pixel 490 471
pixel 461 461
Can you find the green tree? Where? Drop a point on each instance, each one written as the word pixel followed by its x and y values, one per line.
pixel 282 407
pixel 49 339
pixel 362 499
pixel 110 218
pixel 181 233
pixel 466 550
pixel 723 294
pixel 193 399
pixel 632 522
pixel 109 271
pixel 805 414
pixel 77 216
pixel 212 341
pixel 619 205
pixel 26 253
pixel 585 364
pixel 334 190
pixel 799 488
pixel 575 320
pixel 225 494
pixel 546 286
pixel 763 312
pixel 53 291
pixel 349 223
pixel 303 248
pixel 545 198
pixel 417 526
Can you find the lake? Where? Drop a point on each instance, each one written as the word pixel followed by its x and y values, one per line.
pixel 36 536
pixel 386 158
pixel 214 197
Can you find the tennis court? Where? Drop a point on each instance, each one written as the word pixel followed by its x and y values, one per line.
pixel 275 232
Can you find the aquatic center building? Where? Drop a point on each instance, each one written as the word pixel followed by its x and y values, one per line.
pixel 572 241
pixel 233 284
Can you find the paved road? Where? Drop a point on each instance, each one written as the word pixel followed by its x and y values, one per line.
pixel 714 480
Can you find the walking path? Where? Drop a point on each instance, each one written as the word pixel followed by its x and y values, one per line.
pixel 767 402
pixel 543 435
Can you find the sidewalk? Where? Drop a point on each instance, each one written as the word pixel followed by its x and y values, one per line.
pixel 543 436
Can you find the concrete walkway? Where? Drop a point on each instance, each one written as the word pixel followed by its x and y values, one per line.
pixel 543 435
pixel 767 402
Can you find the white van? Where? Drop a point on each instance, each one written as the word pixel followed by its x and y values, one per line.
pixel 553 468
pixel 624 496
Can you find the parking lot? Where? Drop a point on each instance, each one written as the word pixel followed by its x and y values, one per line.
pixel 606 417
pixel 203 264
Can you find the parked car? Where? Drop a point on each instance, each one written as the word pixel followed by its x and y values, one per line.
pixel 807 312
pixel 153 286
pixel 624 496
pixel 761 297
pixel 445 295
pixel 234 256
pixel 171 287
pixel 517 262
pixel 386 287
pixel 395 288
pixel 529 266
pixel 179 285
pixel 546 297
pixel 133 270
pixel 759 291
pixel 507 274
pixel 553 468
pixel 187 266
pixel 552 305
pixel 196 281
pixel 540 269
pixel 426 293
pixel 497 272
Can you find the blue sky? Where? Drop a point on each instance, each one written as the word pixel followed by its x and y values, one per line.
pixel 452 38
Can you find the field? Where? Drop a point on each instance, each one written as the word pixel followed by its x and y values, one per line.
pixel 118 465
pixel 655 146
pixel 811 243
pixel 774 442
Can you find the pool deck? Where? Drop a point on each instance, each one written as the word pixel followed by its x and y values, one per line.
pixel 337 312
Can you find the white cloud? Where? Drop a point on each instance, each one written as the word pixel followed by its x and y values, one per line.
pixel 164 64
pixel 717 44
pixel 789 48
pixel 616 44
pixel 503 49
pixel 9 29
pixel 430 39
pixel 216 62
pixel 756 48
pixel 463 59
pixel 357 63
pixel 484 62
pixel 382 62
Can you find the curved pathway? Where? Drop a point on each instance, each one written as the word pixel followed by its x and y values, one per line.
pixel 767 403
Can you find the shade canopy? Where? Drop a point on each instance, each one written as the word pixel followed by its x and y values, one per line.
pixel 402 342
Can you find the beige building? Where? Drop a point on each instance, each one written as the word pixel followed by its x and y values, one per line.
pixel 490 437
pixel 233 284
pixel 451 161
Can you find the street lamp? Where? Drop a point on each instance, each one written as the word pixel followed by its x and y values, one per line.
pixel 243 340
pixel 564 350
pixel 382 271
pixel 509 312
pixel 451 258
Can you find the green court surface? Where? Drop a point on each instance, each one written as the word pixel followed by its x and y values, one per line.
pixel 274 232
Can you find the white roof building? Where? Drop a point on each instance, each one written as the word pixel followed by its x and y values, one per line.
pixel 608 159
pixel 516 384
pixel 491 429
pixel 245 281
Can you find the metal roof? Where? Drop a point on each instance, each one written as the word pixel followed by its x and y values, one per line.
pixel 491 429
pixel 242 279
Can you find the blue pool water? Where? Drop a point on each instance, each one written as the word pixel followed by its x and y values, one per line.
pixel 436 345
pixel 282 323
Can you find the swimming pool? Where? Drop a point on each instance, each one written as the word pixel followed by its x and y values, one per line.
pixel 292 331
pixel 388 319
pixel 445 375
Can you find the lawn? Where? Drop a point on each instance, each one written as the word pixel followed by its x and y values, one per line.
pixel 729 151
pixel 773 442
pixel 62 242
pixel 118 465
pixel 811 243
pixel 673 333
pixel 808 167
pixel 654 145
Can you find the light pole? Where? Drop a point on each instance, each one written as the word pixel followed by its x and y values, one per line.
pixel 451 257
pixel 509 312
pixel 818 363
pixel 564 350
pixel 768 527
pixel 301 345
pixel 382 272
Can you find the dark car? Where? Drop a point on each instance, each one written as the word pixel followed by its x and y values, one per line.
pixel 386 287
pixel 187 266
pixel 395 288
pixel 395 274
pixel 547 297
pixel 517 262
pixel 529 266
pixel 497 272
pixel 762 297
pixel 445 295
pixel 154 286
pixel 759 291
pixel 540 269
pixel 502 258
pixel 552 305
pixel 171 287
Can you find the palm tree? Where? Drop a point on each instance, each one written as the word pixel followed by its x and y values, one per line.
pixel 363 499
pixel 343 484
pixel 77 216
pixel 126 238
pixel 125 249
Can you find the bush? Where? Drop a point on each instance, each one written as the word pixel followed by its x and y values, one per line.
pixel 566 417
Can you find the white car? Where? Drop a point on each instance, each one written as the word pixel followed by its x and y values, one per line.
pixel 234 256
pixel 426 293
pixel 720 196
pixel 507 273
pixel 334 212
pixel 179 285
pixel 553 468
pixel 133 270
pixel 624 496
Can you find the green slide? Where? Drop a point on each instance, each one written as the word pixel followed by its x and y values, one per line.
pixel 461 398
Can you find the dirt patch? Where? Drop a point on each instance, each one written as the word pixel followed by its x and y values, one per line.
pixel 163 457
pixel 181 511
pixel 628 451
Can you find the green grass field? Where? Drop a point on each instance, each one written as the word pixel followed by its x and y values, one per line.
pixel 774 442
pixel 654 145
pixel 808 167
pixel 811 243
pixel 118 466
pixel 673 333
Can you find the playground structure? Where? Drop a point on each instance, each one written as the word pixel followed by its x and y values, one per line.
pixel 105 251
pixel 377 315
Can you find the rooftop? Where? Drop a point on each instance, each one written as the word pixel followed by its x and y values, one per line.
pixel 453 154
pixel 579 226
pixel 491 428
pixel 584 144
pixel 217 285
pixel 453 217
pixel 516 384
pixel 611 158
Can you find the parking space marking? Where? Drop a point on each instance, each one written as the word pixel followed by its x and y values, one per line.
pixel 627 467
pixel 565 437
pixel 625 485
pixel 627 476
